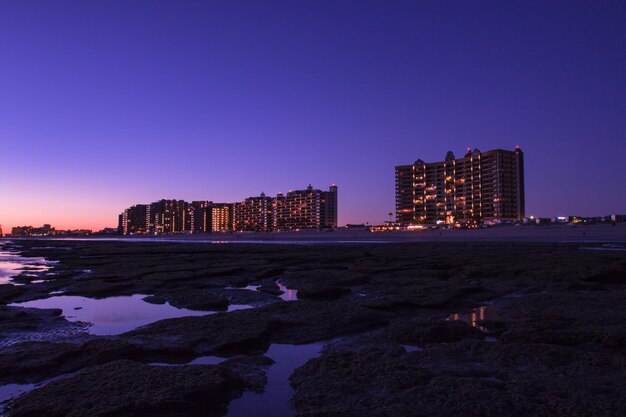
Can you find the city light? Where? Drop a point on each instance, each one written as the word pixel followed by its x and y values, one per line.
pixel 301 209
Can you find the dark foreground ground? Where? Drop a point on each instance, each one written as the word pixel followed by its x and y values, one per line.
pixel 552 344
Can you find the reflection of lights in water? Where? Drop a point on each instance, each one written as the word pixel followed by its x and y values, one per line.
pixel 486 312
pixel 288 294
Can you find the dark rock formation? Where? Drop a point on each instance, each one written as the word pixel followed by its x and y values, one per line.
pixel 125 388
pixel 417 331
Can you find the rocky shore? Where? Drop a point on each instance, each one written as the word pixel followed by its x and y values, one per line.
pixel 515 328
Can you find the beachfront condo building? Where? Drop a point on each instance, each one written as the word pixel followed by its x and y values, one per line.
pixel 479 187
pixel 133 220
pixel 200 216
pixel 254 214
pixel 306 209
pixel 222 217
pixel 168 216
pixel 301 209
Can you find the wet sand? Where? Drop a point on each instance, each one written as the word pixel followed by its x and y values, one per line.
pixel 518 323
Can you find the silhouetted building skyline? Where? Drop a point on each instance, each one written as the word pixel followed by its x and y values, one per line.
pixel 301 209
pixel 480 186
pixel 134 220
pixel 46 231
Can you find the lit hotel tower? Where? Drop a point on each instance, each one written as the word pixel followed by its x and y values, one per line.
pixel 481 186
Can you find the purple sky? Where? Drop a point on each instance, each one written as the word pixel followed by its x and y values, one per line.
pixel 108 103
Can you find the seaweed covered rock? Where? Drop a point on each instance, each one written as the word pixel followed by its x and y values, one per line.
pixel 323 292
pixel 132 389
pixel 467 378
pixel 419 331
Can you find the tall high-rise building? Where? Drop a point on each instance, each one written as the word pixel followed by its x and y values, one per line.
pixel 133 220
pixel 280 215
pixel 329 206
pixel 222 217
pixel 479 186
pixel 168 216
pixel 254 214
pixel 306 209
pixel 200 216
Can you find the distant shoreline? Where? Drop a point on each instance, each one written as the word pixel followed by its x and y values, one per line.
pixel 606 233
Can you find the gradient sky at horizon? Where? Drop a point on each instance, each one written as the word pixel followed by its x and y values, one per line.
pixel 104 104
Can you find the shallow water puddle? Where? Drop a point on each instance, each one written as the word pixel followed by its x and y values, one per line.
pixel 11 391
pixel 235 307
pixel 411 348
pixel 287 294
pixel 247 287
pixel 112 315
pixel 116 315
pixel 276 400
